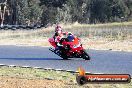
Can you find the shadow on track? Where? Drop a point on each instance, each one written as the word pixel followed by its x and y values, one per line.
pixel 32 58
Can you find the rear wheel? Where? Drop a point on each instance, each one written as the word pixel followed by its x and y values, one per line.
pixel 64 56
pixel 85 55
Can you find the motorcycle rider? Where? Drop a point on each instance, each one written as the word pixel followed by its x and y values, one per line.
pixel 68 46
pixel 58 36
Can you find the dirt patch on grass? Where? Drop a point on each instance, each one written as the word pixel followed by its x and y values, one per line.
pixel 15 82
pixel 102 44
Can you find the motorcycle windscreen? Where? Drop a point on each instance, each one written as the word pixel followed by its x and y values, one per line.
pixel 76 41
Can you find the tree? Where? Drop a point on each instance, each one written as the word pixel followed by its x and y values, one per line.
pixel 100 11
pixel 63 14
pixel 82 11
pixel 76 10
pixel 49 16
pixel 53 3
pixel 119 9
pixel 23 11
pixel 28 11
pixel 35 11
pixel 129 9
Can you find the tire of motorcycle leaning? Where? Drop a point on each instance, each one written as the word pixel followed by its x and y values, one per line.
pixel 64 56
pixel 85 55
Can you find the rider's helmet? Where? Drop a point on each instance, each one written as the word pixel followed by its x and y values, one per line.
pixel 58 29
pixel 70 37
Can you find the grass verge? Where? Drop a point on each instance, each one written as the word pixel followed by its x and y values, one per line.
pixel 27 77
pixel 110 36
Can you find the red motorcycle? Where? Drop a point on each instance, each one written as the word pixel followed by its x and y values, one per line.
pixel 69 49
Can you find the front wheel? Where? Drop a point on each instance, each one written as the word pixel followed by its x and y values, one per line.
pixel 85 55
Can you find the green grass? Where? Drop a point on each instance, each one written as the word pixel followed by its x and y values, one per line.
pixel 32 73
pixel 116 31
pixel 107 33
pixel 70 78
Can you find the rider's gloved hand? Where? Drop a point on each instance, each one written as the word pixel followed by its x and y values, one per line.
pixel 58 44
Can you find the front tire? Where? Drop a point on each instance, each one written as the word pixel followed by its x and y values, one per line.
pixel 85 55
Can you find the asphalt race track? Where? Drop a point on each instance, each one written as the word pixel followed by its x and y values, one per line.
pixel 101 61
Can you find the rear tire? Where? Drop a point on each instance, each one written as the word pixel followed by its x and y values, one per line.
pixel 64 56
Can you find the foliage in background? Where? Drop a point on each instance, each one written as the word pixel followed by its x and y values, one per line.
pixel 88 11
pixel 29 11
pixel 63 14
pixel 70 11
